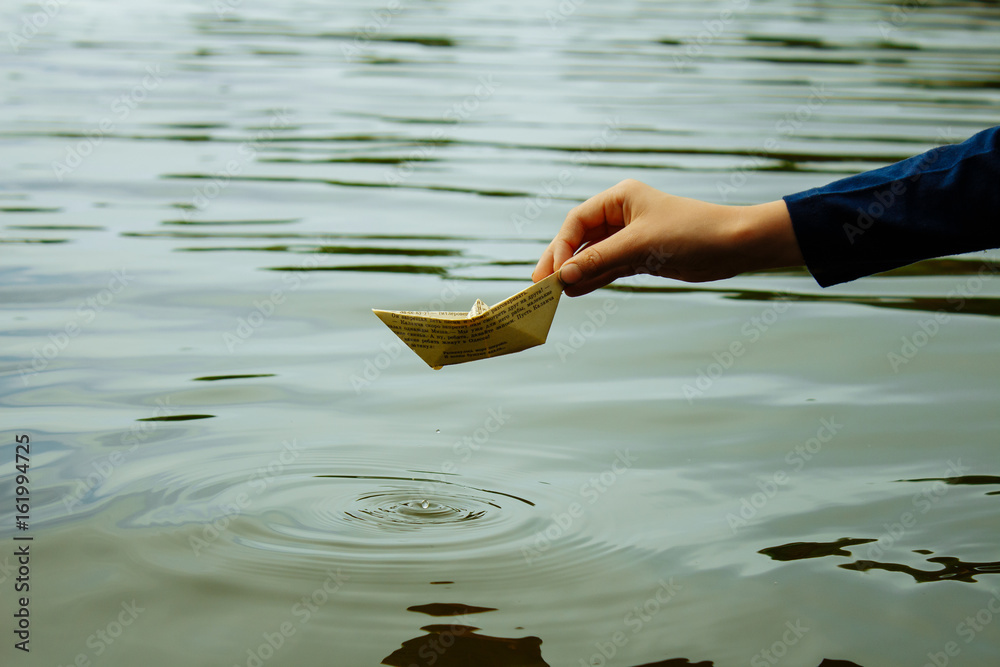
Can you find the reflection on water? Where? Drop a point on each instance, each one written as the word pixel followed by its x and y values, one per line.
pixel 964 479
pixel 459 646
pixel 222 223
pixel 800 550
pixel 448 609
pixel 950 305
pixel 215 378
pixel 174 418
pixel 224 434
pixel 952 569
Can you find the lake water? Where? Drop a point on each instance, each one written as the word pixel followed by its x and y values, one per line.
pixel 233 462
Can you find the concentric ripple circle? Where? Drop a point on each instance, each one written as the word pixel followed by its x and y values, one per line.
pixel 373 518
pixel 398 509
pixel 361 511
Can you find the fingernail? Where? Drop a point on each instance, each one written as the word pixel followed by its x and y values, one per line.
pixel 570 273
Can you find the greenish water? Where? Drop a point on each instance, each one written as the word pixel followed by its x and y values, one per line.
pixel 233 462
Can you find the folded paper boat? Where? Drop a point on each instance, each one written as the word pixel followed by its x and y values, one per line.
pixel 445 338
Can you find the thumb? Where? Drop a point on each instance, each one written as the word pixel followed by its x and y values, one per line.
pixel 597 265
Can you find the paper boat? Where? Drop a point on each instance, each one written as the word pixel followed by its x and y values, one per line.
pixel 445 338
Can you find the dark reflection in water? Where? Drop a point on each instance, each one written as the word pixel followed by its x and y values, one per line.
pixel 174 418
pixel 946 267
pixel 326 236
pixel 448 609
pixel 953 569
pixel 215 378
pixel 369 268
pixel 364 184
pixel 29 209
pixel 262 28
pixel 409 141
pixel 60 228
pixel 460 646
pixel 989 306
pixel 34 240
pixel 337 250
pixel 801 550
pixel 963 479
pixel 792 42
pixel 222 223
pixel 350 160
pixel 799 60
pixel 193 126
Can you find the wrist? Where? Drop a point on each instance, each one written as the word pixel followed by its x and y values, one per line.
pixel 765 237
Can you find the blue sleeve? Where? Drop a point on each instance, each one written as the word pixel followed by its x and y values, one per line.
pixel 943 202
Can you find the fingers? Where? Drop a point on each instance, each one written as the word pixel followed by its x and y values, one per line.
pixel 595 219
pixel 588 285
pixel 544 267
pixel 601 263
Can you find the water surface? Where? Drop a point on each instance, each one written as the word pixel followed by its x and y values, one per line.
pixel 234 463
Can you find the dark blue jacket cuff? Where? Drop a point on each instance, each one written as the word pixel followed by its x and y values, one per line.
pixel 942 202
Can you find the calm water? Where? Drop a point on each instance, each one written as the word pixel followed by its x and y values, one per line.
pixel 232 462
